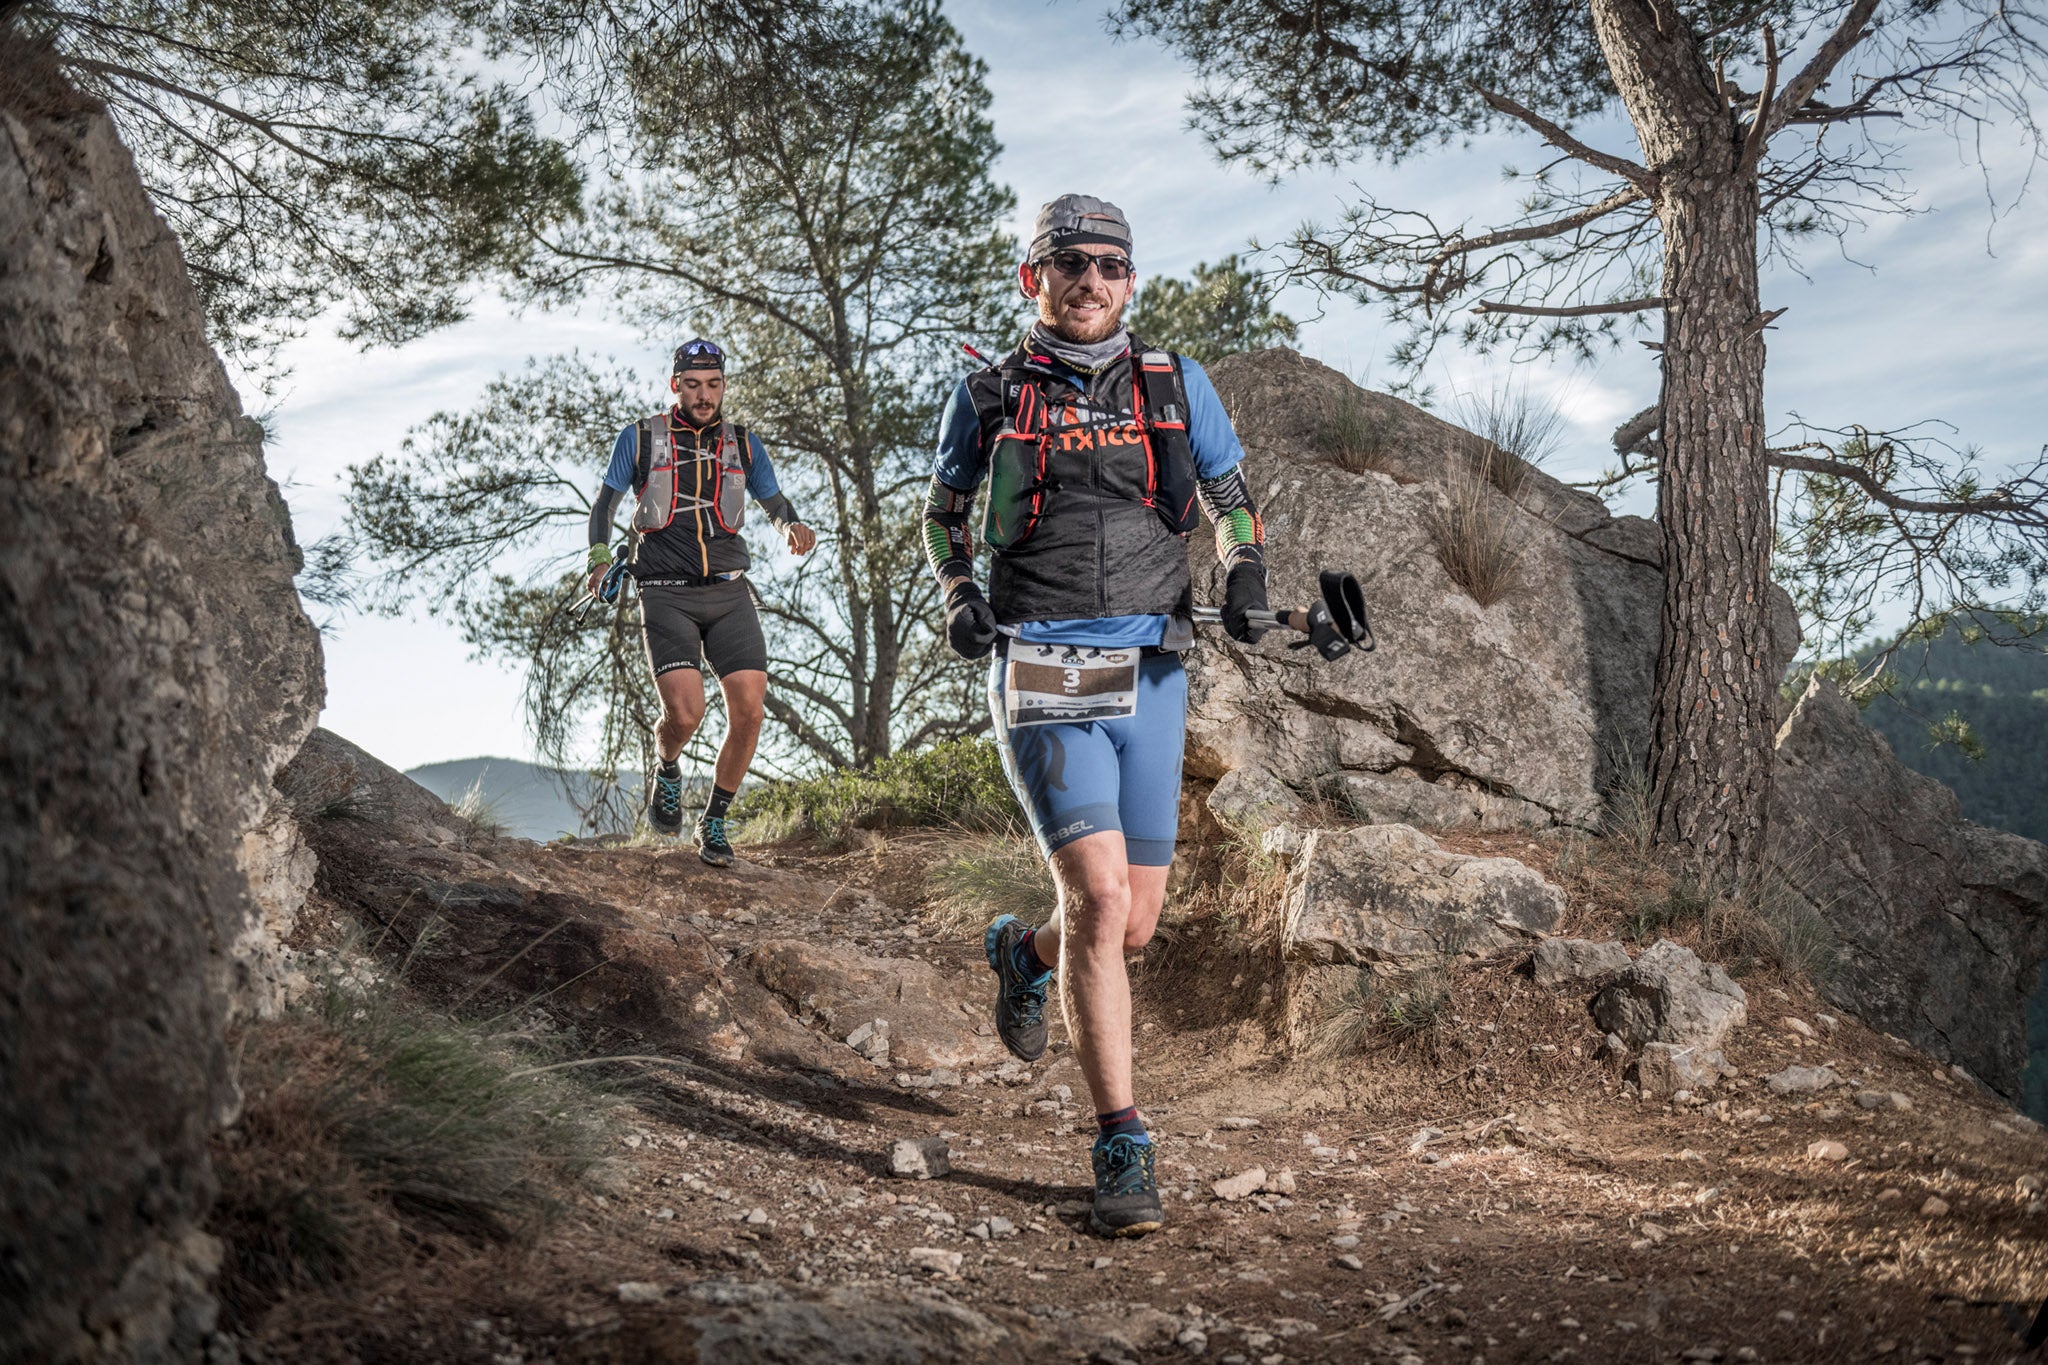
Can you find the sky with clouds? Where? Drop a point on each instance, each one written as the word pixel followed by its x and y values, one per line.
pixel 1936 315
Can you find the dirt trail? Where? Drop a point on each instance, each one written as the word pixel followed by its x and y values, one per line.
pixel 1499 1198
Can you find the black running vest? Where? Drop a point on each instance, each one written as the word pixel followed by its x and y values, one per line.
pixel 1091 518
pixel 690 488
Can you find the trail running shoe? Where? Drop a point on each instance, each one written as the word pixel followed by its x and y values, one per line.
pixel 665 805
pixel 1020 1000
pixel 712 845
pixel 1126 1190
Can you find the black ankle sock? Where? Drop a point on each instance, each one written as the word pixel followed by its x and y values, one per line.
pixel 720 801
pixel 1123 1123
pixel 669 766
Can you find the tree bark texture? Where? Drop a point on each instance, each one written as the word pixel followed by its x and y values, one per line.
pixel 1713 703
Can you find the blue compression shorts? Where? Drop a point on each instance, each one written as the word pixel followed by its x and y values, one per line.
pixel 1081 779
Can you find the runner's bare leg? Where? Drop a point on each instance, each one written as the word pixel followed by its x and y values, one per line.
pixel 746 694
pixel 1107 909
pixel 682 710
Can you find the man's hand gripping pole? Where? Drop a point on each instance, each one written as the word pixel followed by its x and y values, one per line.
pixel 1335 626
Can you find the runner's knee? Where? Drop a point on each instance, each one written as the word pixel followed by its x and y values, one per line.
pixel 681 714
pixel 1099 908
pixel 742 718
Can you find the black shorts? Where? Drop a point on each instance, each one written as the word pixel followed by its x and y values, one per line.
pixel 686 626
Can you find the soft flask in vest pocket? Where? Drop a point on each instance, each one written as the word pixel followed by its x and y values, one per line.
pixel 1016 474
pixel 656 507
pixel 729 503
pixel 1171 480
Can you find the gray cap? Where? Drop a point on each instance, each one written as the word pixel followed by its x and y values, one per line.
pixel 1079 220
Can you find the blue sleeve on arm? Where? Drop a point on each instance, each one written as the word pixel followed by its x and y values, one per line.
pixel 760 471
pixel 625 454
pixel 960 463
pixel 1217 451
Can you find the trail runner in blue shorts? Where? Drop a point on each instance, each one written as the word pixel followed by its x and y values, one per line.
pixel 1096 450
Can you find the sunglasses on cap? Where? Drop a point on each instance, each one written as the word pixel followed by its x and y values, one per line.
pixel 699 354
pixel 1074 264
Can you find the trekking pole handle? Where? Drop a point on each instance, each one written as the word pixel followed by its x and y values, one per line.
pixel 1335 626
pixel 1264 620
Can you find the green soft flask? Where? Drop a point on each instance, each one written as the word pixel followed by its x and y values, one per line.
pixel 1016 474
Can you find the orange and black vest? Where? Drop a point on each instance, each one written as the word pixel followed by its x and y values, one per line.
pixel 1091 492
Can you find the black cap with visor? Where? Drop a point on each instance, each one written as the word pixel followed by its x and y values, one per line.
pixel 699 354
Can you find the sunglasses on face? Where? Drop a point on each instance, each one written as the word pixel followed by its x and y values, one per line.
pixel 1074 264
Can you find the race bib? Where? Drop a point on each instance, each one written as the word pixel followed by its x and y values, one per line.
pixel 1068 684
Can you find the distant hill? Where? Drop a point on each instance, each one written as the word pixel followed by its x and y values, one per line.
pixel 2003 694
pixel 530 801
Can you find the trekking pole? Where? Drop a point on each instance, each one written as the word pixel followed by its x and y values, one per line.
pixel 607 591
pixel 1335 626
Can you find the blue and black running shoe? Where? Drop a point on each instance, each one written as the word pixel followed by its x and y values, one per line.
pixel 665 806
pixel 1020 998
pixel 1126 1190
pixel 712 845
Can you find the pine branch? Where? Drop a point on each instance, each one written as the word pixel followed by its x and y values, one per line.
pixel 1557 137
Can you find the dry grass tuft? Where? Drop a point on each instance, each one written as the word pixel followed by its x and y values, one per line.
pixel 373 1129
pixel 983 877
pixel 1481 536
pixel 1621 883
pixel 1513 430
pixel 1357 437
pixel 480 812
pixel 1410 1013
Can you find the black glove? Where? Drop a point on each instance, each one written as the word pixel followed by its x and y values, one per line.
pixel 1244 591
pixel 970 622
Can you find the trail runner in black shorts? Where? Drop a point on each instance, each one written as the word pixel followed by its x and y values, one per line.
pixel 691 472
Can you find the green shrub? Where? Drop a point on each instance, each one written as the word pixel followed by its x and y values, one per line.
pixel 959 783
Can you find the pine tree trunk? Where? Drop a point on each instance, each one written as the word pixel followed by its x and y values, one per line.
pixel 1710 743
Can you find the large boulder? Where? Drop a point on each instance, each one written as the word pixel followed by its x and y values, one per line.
pixel 1388 901
pixel 1937 927
pixel 1516 714
pixel 159 669
pixel 1390 896
pixel 1669 996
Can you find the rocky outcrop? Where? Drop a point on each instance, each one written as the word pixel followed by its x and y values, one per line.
pixel 159 669
pixel 1505 716
pixel 1937 927
pixel 919 1008
pixel 331 778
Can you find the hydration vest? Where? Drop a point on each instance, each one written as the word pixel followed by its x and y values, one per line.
pixel 668 478
pixel 1091 493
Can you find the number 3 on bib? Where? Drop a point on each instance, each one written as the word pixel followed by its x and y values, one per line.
pixel 1068 684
